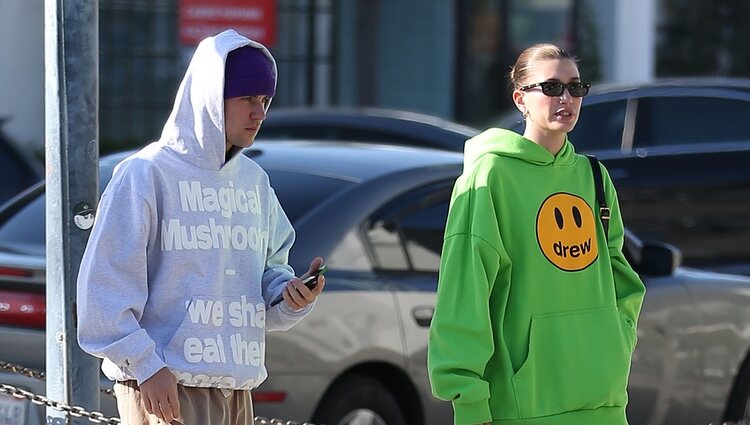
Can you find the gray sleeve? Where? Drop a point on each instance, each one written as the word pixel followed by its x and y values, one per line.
pixel 112 285
pixel 278 271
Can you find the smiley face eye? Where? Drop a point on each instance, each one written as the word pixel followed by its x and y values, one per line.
pixel 577 217
pixel 559 219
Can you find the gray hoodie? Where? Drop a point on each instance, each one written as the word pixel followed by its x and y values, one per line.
pixel 188 249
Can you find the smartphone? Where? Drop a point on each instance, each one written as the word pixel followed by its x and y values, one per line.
pixel 310 281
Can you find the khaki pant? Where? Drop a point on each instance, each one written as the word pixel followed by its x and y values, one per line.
pixel 198 406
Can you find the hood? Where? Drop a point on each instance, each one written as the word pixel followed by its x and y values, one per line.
pixel 195 129
pixel 503 142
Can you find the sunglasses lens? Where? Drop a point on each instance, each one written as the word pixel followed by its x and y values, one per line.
pixel 578 89
pixel 552 89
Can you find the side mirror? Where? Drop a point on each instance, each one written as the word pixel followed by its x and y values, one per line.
pixel 659 259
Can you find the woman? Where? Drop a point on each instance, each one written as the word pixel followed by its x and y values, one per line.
pixel 537 307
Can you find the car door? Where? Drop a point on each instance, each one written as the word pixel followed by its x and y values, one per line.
pixel 405 239
pixel 686 180
pixel 665 373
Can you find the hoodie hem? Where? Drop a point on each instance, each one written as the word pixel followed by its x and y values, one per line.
pixel 602 415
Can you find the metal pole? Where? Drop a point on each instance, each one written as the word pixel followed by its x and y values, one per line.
pixel 71 51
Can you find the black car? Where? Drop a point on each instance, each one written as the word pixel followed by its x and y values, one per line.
pixel 678 152
pixel 365 125
pixel 676 149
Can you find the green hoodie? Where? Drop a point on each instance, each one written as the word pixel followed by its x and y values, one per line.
pixel 536 311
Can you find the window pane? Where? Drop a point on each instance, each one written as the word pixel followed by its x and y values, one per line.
pixel 24 232
pixel 665 121
pixel 350 254
pixel 599 127
pixel 295 202
pixel 423 231
pixel 407 234
pixel 386 246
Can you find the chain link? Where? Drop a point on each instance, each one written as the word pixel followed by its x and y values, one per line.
pixel 78 411
pixel 97 417
pixel 31 373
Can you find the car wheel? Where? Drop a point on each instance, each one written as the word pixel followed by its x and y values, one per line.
pixel 359 400
pixel 739 401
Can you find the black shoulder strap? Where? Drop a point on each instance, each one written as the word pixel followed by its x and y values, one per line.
pixel 601 199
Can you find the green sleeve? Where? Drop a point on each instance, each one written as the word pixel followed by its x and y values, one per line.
pixel 628 285
pixel 461 339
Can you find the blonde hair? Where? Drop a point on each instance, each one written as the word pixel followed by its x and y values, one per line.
pixel 538 52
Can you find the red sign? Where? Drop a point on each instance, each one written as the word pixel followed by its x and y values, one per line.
pixel 255 19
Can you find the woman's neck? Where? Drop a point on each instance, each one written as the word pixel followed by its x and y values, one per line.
pixel 552 141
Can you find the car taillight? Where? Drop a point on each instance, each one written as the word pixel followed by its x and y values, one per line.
pixel 15 272
pixel 22 309
pixel 268 396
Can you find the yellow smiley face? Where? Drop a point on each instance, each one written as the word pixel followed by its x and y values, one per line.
pixel 566 232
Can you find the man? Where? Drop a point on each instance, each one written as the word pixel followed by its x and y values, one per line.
pixel 189 250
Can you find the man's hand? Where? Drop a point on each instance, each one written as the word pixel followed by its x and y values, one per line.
pixel 298 296
pixel 159 394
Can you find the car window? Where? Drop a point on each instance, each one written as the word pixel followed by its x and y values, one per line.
pixel 296 202
pixel 15 172
pixel 407 234
pixel 600 126
pixel 350 254
pixel 24 231
pixel 666 121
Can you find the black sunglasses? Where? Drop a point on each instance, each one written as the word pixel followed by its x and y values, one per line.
pixel 555 88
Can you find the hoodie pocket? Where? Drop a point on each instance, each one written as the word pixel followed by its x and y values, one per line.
pixel 576 360
pixel 220 343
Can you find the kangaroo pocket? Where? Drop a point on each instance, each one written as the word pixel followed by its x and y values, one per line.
pixel 220 343
pixel 576 360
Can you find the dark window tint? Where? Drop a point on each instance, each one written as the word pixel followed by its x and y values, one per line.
pixel 408 233
pixel 423 233
pixel 664 121
pixel 24 231
pixel 599 126
pixel 296 202
pixel 16 171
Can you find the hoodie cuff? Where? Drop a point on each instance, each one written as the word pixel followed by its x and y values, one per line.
pixel 146 367
pixel 472 413
pixel 289 312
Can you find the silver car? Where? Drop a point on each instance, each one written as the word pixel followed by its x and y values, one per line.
pixel 377 214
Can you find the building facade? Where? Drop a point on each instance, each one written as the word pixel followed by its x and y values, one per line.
pixel 448 58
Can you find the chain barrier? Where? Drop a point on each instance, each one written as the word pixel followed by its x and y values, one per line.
pixel 78 411
pixel 99 418
pixel 75 411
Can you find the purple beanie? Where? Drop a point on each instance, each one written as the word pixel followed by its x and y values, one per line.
pixel 248 72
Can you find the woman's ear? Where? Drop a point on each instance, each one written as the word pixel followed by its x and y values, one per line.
pixel 519 100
